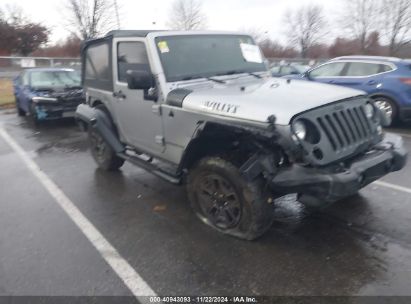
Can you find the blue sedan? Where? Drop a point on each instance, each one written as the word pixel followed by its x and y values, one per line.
pixel 387 80
pixel 46 94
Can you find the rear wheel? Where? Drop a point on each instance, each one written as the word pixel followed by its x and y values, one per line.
pixel 389 107
pixel 224 200
pixel 101 151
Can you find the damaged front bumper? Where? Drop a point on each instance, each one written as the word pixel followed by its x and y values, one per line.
pixel 46 110
pixel 320 186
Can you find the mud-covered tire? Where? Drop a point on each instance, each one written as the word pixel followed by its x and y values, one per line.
pixel 250 211
pixel 103 154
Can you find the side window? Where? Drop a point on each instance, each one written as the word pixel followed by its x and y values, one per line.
pixel 97 62
pixel 328 70
pixel 356 69
pixel 385 68
pixel 131 56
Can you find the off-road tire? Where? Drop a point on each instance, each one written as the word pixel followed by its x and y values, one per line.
pixel 103 154
pixel 256 213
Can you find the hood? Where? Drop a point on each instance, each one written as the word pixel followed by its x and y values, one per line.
pixel 258 99
pixel 64 93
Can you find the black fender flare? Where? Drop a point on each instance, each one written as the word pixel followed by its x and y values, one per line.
pixel 94 118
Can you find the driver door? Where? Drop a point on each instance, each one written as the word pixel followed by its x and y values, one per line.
pixel 138 117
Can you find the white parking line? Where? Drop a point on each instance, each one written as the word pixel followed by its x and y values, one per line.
pixel 392 186
pixel 127 274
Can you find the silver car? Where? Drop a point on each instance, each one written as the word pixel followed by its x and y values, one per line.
pixel 201 109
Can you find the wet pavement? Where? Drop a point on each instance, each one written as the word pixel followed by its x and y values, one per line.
pixel 359 246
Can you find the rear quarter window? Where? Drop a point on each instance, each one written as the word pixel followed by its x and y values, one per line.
pixel 362 69
pixel 97 62
pixel 97 68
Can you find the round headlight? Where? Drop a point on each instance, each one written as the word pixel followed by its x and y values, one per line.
pixel 369 110
pixel 300 130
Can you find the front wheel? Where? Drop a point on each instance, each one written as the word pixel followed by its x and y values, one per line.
pixel 20 112
pixel 389 107
pixel 224 200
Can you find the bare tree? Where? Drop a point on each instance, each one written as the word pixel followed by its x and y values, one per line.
pixel 187 15
pixel 396 16
pixel 360 19
pixel 91 18
pixel 305 27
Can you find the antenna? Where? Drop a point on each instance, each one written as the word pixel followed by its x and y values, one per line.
pixel 117 15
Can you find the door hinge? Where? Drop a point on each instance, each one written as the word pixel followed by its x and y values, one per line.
pixel 156 109
pixel 160 140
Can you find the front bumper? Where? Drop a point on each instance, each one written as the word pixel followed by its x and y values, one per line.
pixel 326 185
pixel 55 110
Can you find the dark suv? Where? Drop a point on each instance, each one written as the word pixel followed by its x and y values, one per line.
pixel 386 79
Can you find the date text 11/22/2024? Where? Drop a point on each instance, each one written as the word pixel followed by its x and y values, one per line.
pixel 203 299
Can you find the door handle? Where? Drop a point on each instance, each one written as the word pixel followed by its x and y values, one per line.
pixel 331 81
pixel 372 82
pixel 119 95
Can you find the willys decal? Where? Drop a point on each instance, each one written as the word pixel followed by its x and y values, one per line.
pixel 221 107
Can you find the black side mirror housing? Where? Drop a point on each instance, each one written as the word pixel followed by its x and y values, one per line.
pixel 139 80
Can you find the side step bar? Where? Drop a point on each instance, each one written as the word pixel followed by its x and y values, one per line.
pixel 135 160
pixel 89 117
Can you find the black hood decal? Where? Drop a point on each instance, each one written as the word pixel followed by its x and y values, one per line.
pixel 176 97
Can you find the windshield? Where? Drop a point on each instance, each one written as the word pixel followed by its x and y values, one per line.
pixel 55 79
pixel 198 56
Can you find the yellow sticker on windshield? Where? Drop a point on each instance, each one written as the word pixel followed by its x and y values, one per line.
pixel 163 46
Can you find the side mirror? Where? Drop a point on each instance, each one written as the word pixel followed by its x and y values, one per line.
pixel 139 80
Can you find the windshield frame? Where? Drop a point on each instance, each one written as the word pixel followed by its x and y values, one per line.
pixel 196 76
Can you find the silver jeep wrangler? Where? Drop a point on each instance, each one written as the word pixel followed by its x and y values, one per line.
pixel 201 109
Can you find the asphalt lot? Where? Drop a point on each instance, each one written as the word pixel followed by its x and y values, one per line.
pixel 360 246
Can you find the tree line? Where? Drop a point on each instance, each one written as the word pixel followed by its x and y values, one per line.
pixel 372 27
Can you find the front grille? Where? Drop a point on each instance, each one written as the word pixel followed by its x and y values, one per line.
pixel 346 128
pixel 343 131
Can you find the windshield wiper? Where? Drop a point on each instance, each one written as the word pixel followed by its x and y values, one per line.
pixel 72 87
pixel 255 75
pixel 199 77
pixel 232 72
pixel 215 80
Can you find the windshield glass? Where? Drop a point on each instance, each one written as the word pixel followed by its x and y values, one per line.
pixel 198 56
pixel 55 79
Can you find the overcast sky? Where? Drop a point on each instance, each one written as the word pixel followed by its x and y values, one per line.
pixel 263 15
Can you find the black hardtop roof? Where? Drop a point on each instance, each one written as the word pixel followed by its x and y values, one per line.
pixel 130 33
pixel 120 33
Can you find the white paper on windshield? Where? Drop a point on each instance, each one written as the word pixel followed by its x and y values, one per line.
pixel 251 52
